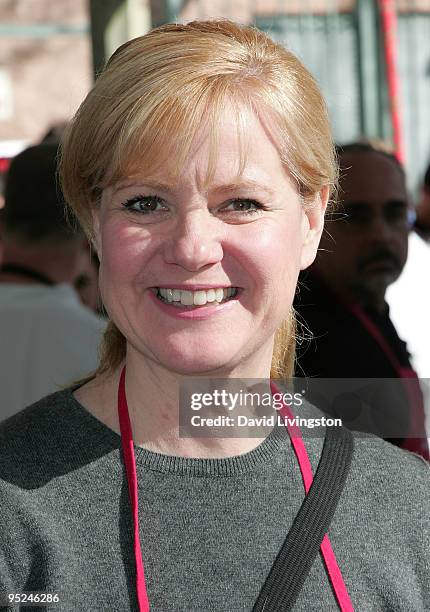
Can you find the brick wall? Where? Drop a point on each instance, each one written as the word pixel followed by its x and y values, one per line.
pixel 43 77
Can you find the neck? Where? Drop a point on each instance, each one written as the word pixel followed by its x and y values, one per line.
pixel 153 404
pixel 56 262
pixel 374 299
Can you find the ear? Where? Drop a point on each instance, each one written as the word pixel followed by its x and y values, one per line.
pixel 313 225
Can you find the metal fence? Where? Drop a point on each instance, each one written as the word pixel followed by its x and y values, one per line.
pixel 341 42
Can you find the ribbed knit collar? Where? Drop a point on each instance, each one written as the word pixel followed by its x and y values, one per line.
pixel 227 466
pixel 146 459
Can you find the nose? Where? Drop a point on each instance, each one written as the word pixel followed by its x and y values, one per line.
pixel 379 230
pixel 195 241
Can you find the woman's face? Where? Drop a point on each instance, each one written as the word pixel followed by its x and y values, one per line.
pixel 249 235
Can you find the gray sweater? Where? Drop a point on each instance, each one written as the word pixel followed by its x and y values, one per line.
pixel 210 529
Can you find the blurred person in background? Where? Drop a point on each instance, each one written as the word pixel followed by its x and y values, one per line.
pixel 54 133
pixel 1 238
pixel 4 164
pixel 409 297
pixel 48 337
pixel 86 282
pixel 1 211
pixel 342 298
pixel 422 223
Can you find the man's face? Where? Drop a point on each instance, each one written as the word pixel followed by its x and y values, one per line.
pixel 365 248
pixel 423 209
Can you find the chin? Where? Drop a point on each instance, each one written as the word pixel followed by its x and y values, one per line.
pixel 197 363
pixel 378 284
pixel 208 368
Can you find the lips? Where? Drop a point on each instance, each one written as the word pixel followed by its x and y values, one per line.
pixel 382 262
pixel 177 310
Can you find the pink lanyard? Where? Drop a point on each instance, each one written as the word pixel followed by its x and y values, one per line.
pixel 330 561
pixel 415 440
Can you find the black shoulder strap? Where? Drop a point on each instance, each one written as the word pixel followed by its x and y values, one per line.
pixel 302 544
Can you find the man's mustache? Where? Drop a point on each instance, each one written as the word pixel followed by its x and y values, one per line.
pixel 379 256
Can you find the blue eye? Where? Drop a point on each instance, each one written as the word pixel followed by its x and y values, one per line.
pixel 143 204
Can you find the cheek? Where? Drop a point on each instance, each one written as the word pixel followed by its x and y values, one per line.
pixel 273 254
pixel 349 253
pixel 403 247
pixel 344 245
pixel 124 253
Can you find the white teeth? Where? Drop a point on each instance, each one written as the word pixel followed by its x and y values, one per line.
pixel 200 298
pixel 196 298
pixel 187 298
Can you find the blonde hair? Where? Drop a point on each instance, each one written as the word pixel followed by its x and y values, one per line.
pixel 155 94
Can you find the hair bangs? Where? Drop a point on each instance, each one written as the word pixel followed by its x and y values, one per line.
pixel 222 96
pixel 163 140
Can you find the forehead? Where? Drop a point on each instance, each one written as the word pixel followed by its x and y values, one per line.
pixel 370 177
pixel 237 148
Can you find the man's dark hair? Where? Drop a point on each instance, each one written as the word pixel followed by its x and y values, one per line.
pixel 34 209
pixel 363 146
pixel 369 146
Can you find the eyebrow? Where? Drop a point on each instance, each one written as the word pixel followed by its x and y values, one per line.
pixel 248 184
pixel 170 188
pixel 147 183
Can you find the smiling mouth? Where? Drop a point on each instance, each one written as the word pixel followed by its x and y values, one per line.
pixel 194 299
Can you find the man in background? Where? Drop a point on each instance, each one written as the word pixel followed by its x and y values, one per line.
pixel 342 298
pixel 409 297
pixel 48 338
pixel 422 224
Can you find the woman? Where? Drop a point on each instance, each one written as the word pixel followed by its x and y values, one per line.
pixel 201 165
